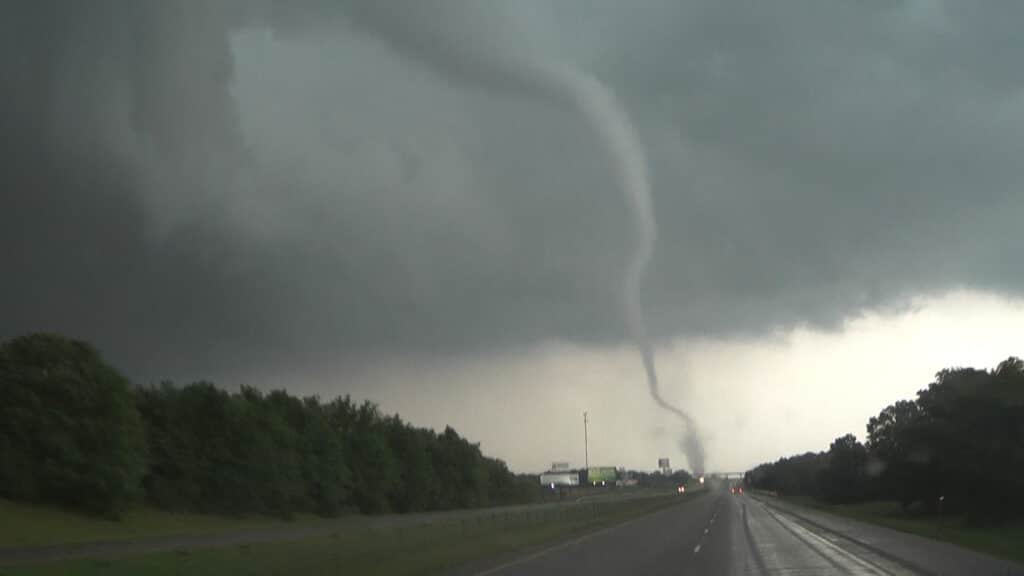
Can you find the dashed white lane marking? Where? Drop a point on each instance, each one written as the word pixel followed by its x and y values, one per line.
pixel 705 530
pixel 696 548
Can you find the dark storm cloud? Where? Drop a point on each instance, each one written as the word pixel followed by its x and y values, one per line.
pixel 79 255
pixel 200 185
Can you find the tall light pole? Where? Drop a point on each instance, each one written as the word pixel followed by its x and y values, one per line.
pixel 586 445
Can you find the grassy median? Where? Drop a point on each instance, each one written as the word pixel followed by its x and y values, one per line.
pixel 419 549
pixel 34 525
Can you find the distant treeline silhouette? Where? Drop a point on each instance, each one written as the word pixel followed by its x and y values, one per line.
pixel 959 445
pixel 76 433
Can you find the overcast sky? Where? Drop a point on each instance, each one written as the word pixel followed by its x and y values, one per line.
pixel 297 194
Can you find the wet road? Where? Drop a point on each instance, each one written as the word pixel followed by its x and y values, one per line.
pixel 723 534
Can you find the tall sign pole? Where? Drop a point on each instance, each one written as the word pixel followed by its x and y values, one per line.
pixel 586 444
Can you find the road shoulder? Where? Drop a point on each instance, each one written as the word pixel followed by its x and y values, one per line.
pixel 921 554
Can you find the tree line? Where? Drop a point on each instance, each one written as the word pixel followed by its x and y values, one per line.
pixel 959 446
pixel 76 433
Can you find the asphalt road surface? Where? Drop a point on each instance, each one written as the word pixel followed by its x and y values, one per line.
pixel 724 534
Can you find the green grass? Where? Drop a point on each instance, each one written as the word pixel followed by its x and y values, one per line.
pixel 32 525
pixel 1004 541
pixel 422 549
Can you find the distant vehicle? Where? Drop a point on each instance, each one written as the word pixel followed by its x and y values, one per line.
pixel 553 479
pixel 602 475
pixel 736 490
pixel 680 489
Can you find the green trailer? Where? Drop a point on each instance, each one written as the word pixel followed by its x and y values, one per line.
pixel 602 476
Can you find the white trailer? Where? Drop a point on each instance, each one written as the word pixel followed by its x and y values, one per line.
pixel 553 479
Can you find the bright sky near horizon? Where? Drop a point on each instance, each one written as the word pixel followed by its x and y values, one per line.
pixel 756 399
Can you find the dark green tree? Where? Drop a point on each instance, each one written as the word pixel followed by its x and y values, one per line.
pixel 270 453
pixel 844 478
pixel 374 469
pixel 417 487
pixel 69 430
pixel 320 451
pixel 896 441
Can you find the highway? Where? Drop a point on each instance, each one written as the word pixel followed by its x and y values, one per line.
pixel 725 534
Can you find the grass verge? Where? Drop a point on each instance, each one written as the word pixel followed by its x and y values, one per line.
pixel 1003 541
pixel 419 549
pixel 34 525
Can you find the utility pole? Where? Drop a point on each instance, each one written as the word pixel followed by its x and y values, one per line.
pixel 586 445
